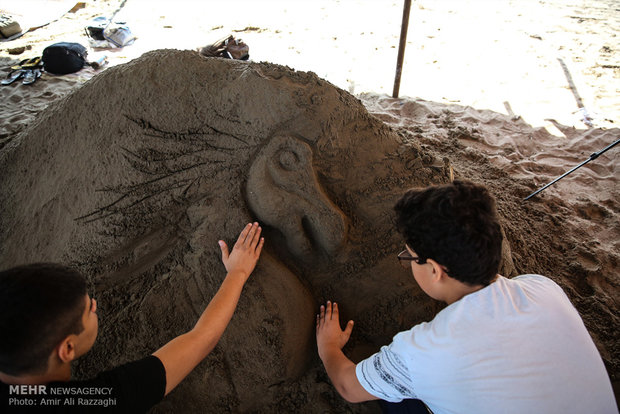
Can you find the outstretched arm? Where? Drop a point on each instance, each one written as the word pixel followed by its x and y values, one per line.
pixel 341 370
pixel 183 353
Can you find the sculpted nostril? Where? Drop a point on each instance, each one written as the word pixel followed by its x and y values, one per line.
pixel 310 233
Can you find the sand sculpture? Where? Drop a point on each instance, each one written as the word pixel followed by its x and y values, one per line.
pixel 282 175
pixel 135 176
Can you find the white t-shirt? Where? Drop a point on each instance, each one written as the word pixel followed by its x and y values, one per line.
pixel 515 346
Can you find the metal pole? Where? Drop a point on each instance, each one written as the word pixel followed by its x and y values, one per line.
pixel 592 157
pixel 401 47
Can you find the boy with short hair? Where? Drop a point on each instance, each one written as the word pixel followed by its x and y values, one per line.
pixel 47 320
pixel 501 345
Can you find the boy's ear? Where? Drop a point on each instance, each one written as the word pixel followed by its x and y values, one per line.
pixel 66 349
pixel 438 272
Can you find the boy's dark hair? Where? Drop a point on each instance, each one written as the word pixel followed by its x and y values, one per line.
pixel 40 305
pixel 457 226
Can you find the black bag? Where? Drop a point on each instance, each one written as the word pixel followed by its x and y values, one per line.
pixel 64 57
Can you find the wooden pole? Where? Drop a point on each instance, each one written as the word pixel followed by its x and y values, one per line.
pixel 401 47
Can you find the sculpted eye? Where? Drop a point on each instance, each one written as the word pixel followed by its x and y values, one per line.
pixel 288 159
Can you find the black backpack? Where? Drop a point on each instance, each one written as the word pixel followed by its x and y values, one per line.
pixel 64 57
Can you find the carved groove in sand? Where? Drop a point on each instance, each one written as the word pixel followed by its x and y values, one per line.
pixel 173 163
pixel 283 192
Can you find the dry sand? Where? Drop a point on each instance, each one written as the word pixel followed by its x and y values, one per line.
pixel 134 175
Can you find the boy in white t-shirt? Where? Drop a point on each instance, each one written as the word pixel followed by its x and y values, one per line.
pixel 500 346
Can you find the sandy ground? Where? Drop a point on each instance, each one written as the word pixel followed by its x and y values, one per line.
pixel 491 91
pixel 528 58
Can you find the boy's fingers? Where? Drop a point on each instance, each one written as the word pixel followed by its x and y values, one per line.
pixel 335 310
pixel 259 248
pixel 255 234
pixel 348 329
pixel 257 237
pixel 329 310
pixel 244 233
pixel 250 237
pixel 224 249
pixel 322 312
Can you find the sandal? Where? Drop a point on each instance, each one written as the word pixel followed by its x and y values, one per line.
pixel 31 75
pixel 13 76
pixel 34 62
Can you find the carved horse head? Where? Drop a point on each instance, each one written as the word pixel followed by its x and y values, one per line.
pixel 283 191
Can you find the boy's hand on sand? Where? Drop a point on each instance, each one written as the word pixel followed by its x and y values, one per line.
pixel 328 332
pixel 245 252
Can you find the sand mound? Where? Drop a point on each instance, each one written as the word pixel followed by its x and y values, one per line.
pixel 136 175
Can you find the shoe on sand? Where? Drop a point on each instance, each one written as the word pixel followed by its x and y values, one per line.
pixel 13 76
pixel 8 26
pixel 31 76
pixel 30 63
pixel 227 47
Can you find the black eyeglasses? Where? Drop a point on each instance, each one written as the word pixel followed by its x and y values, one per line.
pixel 405 257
